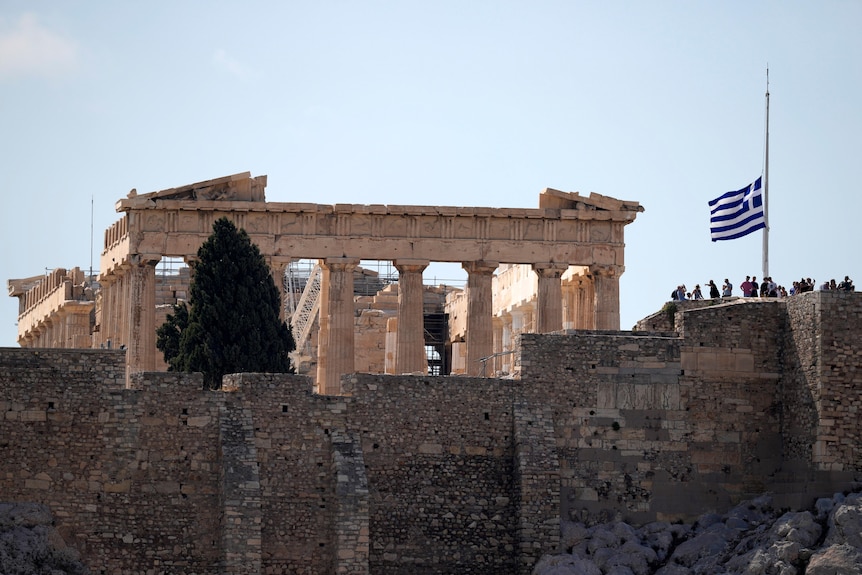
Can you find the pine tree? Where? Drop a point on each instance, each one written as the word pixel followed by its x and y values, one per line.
pixel 232 324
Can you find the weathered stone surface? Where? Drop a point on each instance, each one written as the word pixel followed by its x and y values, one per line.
pixel 30 545
pixel 845 522
pixel 463 474
pixel 840 559
pixel 771 544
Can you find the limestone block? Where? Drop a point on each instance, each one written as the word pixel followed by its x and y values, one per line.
pixel 33 415
pixel 42 484
pixel 744 361
pixel 199 421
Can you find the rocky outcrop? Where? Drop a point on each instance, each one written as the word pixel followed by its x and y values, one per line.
pixel 752 539
pixel 30 545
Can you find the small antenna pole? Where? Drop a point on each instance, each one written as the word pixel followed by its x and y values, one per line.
pixel 92 225
pixel 766 185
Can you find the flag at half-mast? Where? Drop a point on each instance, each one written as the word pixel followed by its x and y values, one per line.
pixel 736 214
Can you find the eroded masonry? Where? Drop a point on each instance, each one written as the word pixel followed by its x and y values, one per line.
pixel 534 270
pixel 422 475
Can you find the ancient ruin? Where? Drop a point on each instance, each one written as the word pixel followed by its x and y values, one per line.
pixel 567 236
pixel 378 462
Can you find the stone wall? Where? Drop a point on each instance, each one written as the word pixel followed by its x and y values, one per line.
pixel 439 458
pixel 744 397
pixel 403 475
pixel 620 419
pixel 824 342
pixel 129 473
pixel 414 475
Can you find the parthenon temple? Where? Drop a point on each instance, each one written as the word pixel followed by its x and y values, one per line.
pixel 538 270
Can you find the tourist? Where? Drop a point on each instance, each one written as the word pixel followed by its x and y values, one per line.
pixel 771 288
pixel 727 288
pixel 713 290
pixel 746 287
pixel 755 287
pixel 696 293
pixel 846 285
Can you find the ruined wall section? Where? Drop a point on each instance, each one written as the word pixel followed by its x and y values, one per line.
pixel 826 332
pixel 127 472
pixel 732 368
pixel 801 381
pixel 655 426
pixel 439 458
pixel 619 416
pixel 162 440
pixel 292 431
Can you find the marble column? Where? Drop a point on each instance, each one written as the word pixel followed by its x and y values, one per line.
pixel 588 309
pixel 77 328
pixel 549 297
pixel 479 334
pixel 517 322
pixel 340 336
pixel 410 334
pixel 140 325
pixel 506 342
pixel 607 296
pixel 277 267
pixel 108 311
pixel 569 306
pixel 497 348
pixel 322 328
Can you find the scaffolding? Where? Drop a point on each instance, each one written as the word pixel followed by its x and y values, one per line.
pixel 302 283
pixel 302 297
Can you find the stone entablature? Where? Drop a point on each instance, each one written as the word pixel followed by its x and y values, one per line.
pixel 435 233
pixel 566 228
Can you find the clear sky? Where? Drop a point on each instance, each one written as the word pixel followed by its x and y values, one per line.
pixel 480 103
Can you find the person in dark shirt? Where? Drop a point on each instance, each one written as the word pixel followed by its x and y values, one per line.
pixel 713 290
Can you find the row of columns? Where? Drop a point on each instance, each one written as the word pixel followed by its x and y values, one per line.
pixel 128 312
pixel 587 302
pixel 68 328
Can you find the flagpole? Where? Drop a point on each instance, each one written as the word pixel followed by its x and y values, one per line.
pixel 766 187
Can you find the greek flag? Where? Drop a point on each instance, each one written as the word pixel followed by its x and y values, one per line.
pixel 736 214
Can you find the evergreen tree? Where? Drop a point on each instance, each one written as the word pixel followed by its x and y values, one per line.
pixel 168 335
pixel 232 324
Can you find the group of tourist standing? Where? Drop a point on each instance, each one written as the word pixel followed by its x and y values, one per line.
pixel 752 288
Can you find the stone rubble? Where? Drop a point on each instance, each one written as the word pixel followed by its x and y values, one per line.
pixel 751 539
pixel 30 545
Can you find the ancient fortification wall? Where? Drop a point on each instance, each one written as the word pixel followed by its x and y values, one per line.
pixel 419 475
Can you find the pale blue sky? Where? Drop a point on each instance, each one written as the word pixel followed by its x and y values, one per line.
pixel 446 102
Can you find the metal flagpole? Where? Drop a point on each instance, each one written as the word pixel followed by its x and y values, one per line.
pixel 766 187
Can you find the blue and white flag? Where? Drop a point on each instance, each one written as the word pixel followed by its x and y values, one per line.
pixel 736 214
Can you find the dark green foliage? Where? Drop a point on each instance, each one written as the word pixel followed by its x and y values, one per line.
pixel 232 325
pixel 168 335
